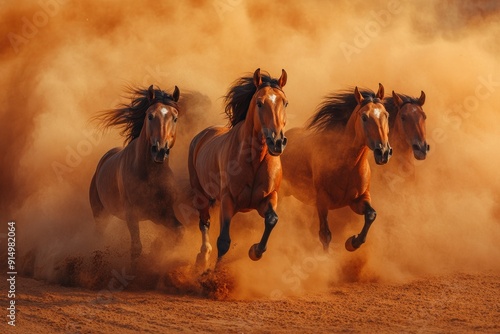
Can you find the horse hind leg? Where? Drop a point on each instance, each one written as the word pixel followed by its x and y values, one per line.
pixel 355 242
pixel 98 210
pixel 203 256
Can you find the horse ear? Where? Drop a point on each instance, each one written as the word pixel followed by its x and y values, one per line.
pixel 397 99
pixel 176 94
pixel 421 99
pixel 380 93
pixel 282 80
pixel 151 93
pixel 357 95
pixel 257 79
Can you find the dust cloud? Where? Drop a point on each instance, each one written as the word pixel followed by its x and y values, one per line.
pixel 61 61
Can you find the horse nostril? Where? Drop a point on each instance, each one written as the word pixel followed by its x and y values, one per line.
pixel 154 148
pixel 415 147
pixel 285 140
pixel 428 147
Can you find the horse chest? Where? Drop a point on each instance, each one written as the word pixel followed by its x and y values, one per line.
pixel 344 185
pixel 151 192
pixel 253 187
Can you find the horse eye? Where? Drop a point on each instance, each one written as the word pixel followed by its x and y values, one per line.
pixel 403 118
pixel 259 104
pixel 364 117
pixel 286 104
pixel 175 119
pixel 150 116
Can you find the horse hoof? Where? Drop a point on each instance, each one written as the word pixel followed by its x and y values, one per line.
pixel 349 244
pixel 254 253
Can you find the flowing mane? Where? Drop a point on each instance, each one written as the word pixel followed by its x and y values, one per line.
pixel 130 117
pixel 392 109
pixel 336 109
pixel 240 95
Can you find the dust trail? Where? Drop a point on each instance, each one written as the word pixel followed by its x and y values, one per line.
pixel 61 61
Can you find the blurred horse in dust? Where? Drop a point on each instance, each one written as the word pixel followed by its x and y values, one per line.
pixel 135 183
pixel 326 164
pixel 407 125
pixel 407 135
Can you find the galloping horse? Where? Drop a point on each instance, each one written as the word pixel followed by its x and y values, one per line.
pixel 407 125
pixel 240 165
pixel 135 183
pixel 327 164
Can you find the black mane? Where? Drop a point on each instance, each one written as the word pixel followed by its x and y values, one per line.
pixel 240 95
pixel 130 117
pixel 392 109
pixel 336 109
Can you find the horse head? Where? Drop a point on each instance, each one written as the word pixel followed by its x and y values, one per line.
pixel 373 124
pixel 270 105
pixel 411 120
pixel 160 122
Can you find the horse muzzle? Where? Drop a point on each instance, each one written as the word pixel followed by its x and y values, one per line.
pixel 275 145
pixel 420 150
pixel 382 154
pixel 159 154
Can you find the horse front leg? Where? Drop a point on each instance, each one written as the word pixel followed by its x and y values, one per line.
pixel 268 211
pixel 325 236
pixel 135 238
pixel 370 214
pixel 226 213
pixel 170 221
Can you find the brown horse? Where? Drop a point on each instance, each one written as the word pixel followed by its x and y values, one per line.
pixel 327 164
pixel 135 183
pixel 407 125
pixel 240 165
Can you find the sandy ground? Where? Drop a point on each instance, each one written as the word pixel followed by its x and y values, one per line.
pixel 460 302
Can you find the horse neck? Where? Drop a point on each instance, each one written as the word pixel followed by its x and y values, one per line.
pixel 250 134
pixel 354 145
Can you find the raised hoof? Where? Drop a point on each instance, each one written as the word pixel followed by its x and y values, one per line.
pixel 254 253
pixel 350 244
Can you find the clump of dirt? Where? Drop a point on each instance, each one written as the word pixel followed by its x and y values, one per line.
pixel 70 270
pixel 173 276
pixel 217 284
pixel 91 272
pixel 357 269
pixel 104 269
